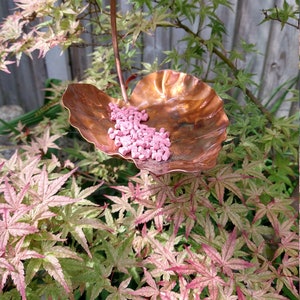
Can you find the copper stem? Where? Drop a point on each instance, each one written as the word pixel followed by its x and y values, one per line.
pixel 113 18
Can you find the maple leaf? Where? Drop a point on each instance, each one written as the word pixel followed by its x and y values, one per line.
pixel 122 292
pixel 19 171
pixel 235 212
pixel 43 143
pixel 273 208
pixel 257 232
pixel 227 293
pixel 122 205
pixel 180 209
pixel 46 190
pixel 225 178
pixel 94 275
pixel 82 215
pixel 53 267
pixel 51 264
pixel 267 293
pixel 284 276
pixel 22 171
pixel 157 290
pixel 151 290
pixel 14 200
pixel 153 198
pixel 10 225
pixel 206 275
pixel 119 255
pixel 225 260
pixel 209 279
pixel 164 257
pixel 14 256
pixel 288 244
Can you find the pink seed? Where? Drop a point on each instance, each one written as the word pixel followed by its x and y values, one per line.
pixel 124 150
pixel 139 140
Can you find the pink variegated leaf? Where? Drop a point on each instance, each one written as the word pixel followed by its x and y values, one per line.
pixel 18 275
pixel 87 192
pixel 60 201
pixel 159 222
pixel 213 254
pixel 149 279
pixel 64 252
pixel 146 291
pixel 53 267
pixel 225 260
pixel 151 290
pixel 124 290
pixel 10 226
pixel 189 226
pixel 183 269
pixel 10 195
pixel 56 185
pixel 17 256
pixel 40 212
pixel 19 279
pixel 148 215
pixel 42 181
pixel 21 254
pixel 4 264
pixel 26 254
pixel 199 283
pixel 47 141
pixel 240 294
pixel 238 264
pixel 228 248
pixel 21 229
pixel 4 236
pixel 47 188
pixel 3 278
pixel 29 169
pixel 211 280
pixel 13 200
pixel 81 239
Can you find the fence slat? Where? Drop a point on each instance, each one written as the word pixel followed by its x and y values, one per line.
pixel 276 62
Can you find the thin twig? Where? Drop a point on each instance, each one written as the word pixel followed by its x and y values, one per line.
pixel 234 69
pixel 113 20
pixel 278 18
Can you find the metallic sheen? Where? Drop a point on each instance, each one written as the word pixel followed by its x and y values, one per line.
pixel 182 104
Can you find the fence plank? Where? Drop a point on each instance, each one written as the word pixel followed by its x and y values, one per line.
pixel 24 86
pixel 276 62
pixel 281 63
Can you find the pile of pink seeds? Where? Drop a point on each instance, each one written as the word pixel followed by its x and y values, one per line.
pixel 136 139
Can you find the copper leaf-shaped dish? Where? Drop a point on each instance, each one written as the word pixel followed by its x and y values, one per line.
pixel 182 104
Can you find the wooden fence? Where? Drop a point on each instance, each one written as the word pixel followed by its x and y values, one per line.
pixel 276 62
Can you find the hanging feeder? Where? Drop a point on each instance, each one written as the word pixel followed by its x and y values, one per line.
pixel 183 105
pixel 187 108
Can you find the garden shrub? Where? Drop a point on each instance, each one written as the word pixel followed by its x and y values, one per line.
pixel 78 224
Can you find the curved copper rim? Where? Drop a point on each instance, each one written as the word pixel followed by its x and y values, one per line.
pixel 188 108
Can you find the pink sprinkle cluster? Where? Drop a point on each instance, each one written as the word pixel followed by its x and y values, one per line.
pixel 138 140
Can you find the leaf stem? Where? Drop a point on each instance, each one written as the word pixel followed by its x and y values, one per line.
pixel 113 18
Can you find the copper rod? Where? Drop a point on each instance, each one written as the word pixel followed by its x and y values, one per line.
pixel 113 20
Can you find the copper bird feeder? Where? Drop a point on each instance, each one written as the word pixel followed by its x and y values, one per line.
pixel 186 107
pixel 182 104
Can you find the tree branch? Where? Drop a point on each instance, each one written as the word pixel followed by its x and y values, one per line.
pixel 234 69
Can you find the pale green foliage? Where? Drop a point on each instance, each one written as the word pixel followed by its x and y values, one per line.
pixel 39 208
pixel 60 27
pixel 94 227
